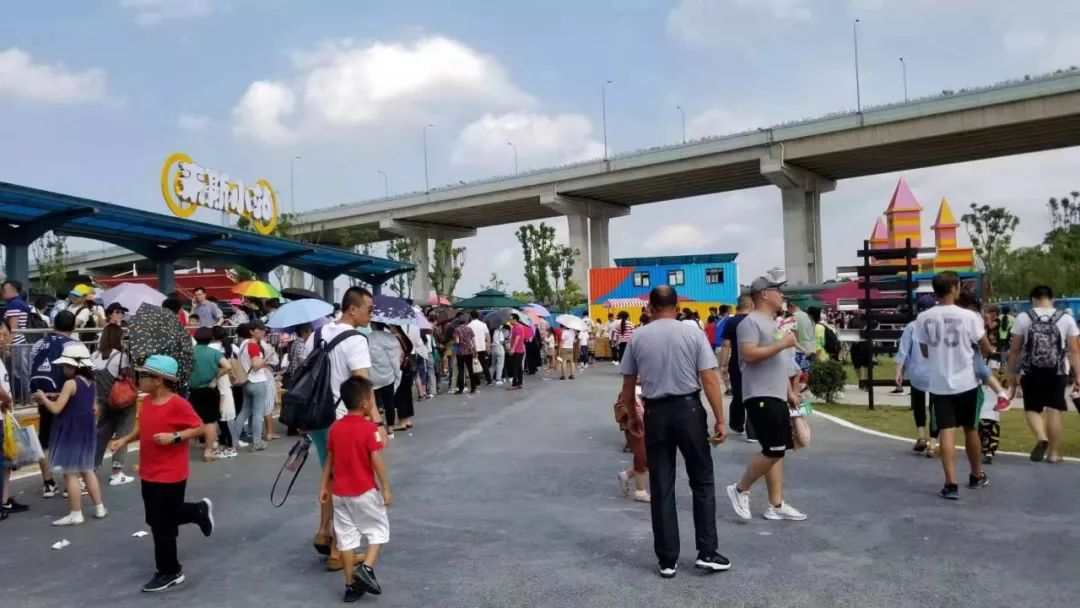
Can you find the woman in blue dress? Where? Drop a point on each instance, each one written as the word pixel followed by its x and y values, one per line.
pixel 74 433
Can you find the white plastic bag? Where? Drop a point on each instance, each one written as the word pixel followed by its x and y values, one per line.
pixel 29 447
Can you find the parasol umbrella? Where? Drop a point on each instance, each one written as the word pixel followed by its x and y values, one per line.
pixel 132 295
pixel 296 293
pixel 438 301
pixel 498 318
pixel 256 289
pixel 489 299
pixel 156 331
pixel 298 312
pixel 536 319
pixel 538 309
pixel 523 318
pixel 571 322
pixel 391 310
pixel 421 320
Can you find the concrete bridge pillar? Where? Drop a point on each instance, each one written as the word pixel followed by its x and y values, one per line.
pixel 578 226
pixel 421 257
pixel 328 290
pixel 599 256
pixel 800 193
pixel 419 235
pixel 587 220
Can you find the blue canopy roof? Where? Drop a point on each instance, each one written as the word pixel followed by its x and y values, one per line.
pixel 27 213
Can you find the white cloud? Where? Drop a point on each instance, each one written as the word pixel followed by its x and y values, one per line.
pixel 192 122
pixel 341 85
pixel 541 139
pixel 719 121
pixel 149 13
pixel 1049 47
pixel 260 111
pixel 677 238
pixel 23 78
pixel 719 21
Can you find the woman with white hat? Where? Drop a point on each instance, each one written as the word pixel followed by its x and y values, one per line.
pixel 74 433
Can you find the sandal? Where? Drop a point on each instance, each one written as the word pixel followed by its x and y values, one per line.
pixel 209 456
pixel 322 544
pixel 931 452
pixel 920 445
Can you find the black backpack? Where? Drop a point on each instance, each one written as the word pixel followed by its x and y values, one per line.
pixel 309 403
pixel 832 343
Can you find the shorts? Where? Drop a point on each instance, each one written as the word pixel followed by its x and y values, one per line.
pixel 566 354
pixel 1043 389
pixel 318 439
pixel 771 419
pixel 44 431
pixel 960 409
pixel 360 517
pixel 861 356
pixel 207 403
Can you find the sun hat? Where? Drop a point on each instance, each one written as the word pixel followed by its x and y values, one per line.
pixel 236 302
pixel 163 366
pixel 75 354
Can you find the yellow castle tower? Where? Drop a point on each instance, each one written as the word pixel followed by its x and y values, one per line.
pixel 949 256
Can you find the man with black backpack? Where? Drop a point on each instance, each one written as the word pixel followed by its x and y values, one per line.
pixel 1042 339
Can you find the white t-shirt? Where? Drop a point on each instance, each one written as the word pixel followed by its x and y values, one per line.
pixel 4 378
pixel 256 376
pixel 1066 324
pixel 569 337
pixel 481 334
pixel 83 315
pixel 949 333
pixel 352 354
pixel 583 338
pixel 112 363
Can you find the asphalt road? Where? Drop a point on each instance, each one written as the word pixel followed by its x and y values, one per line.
pixel 510 499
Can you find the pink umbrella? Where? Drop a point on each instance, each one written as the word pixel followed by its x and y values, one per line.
pixel 438 301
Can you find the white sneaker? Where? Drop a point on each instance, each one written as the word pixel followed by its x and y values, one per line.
pixel 615 363
pixel 100 511
pixel 241 443
pixel 120 479
pixel 71 519
pixel 740 501
pixel 624 483
pixel 642 496
pixel 784 511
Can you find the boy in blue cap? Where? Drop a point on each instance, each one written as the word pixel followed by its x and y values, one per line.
pixel 165 424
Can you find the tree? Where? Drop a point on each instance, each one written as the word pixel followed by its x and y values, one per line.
pixel 446 268
pixel 401 250
pixel 991 230
pixel 537 247
pixel 494 282
pixel 561 264
pixel 572 295
pixel 523 296
pixel 50 252
pixel 361 240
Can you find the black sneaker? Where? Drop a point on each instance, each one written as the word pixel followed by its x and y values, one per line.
pixel 353 593
pixel 950 492
pixel 988 459
pixel 571 376
pixel 667 571
pixel 712 562
pixel 206 516
pixel 364 578
pixel 1040 451
pixel 458 392
pixel 161 582
pixel 13 506
pixel 562 377
pixel 48 489
pixel 978 482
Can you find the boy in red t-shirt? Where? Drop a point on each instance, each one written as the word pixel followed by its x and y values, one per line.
pixel 165 424
pixel 353 462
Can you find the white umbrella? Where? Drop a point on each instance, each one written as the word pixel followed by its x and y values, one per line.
pixel 132 295
pixel 571 322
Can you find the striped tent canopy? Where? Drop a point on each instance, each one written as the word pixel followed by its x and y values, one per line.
pixel 624 303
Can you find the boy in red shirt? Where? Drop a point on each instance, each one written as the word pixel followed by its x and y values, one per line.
pixel 353 462
pixel 165 424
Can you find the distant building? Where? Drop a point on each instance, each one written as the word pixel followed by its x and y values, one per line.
pixel 702 281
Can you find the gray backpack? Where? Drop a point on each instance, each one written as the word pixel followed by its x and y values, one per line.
pixel 1043 347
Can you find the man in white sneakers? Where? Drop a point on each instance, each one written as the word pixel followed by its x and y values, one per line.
pixel 765 358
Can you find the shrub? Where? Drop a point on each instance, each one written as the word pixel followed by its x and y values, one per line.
pixel 826 380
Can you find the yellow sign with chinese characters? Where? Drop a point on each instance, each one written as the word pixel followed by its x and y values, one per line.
pixel 186 185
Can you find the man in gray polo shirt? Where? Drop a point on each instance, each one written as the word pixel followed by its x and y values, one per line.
pixel 675 363
pixel 766 358
pixel 208 312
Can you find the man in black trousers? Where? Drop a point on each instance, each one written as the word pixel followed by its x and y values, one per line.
pixel 675 363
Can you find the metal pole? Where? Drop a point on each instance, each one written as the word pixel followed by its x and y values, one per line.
pixel 683 114
pixel 903 67
pixel 511 144
pixel 603 113
pixel 427 185
pixel 386 183
pixel 292 188
pixel 855 38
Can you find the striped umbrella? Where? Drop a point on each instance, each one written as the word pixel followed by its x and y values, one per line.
pixel 256 289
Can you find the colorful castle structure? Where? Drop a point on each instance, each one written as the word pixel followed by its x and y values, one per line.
pixel 903 220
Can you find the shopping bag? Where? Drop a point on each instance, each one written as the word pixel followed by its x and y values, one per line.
pixel 11 448
pixel 29 447
pixel 477 367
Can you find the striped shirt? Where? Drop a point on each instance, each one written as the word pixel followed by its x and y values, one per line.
pixel 621 334
pixel 17 309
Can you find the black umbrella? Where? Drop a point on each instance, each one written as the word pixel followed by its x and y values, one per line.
pixel 156 331
pixel 296 293
pixel 498 318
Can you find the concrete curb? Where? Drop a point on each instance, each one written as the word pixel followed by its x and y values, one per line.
pixel 862 429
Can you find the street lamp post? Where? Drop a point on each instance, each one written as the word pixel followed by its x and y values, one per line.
pixel 427 185
pixel 386 183
pixel 603 113
pixel 855 39
pixel 511 144
pixel 292 188
pixel 683 114
pixel 903 68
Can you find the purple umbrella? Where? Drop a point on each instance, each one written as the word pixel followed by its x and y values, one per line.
pixel 396 311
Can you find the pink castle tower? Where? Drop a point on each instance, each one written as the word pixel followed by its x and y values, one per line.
pixel 904 217
pixel 879 238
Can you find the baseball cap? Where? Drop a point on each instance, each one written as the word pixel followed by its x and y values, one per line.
pixel 80 290
pixel 763 283
pixel 115 306
pixel 159 365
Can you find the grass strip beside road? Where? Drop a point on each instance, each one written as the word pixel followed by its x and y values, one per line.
pixel 1015 434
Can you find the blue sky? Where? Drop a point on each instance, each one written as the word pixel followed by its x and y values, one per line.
pixel 95 95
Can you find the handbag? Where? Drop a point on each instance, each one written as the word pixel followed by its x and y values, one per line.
pixel 294 462
pixel 238 376
pixel 123 393
pixel 476 367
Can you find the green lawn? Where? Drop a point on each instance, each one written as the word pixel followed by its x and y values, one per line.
pixel 885 368
pixel 1015 435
